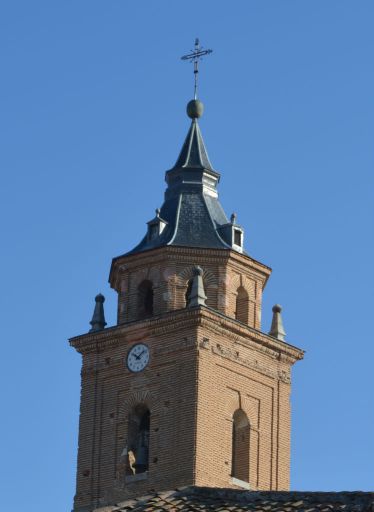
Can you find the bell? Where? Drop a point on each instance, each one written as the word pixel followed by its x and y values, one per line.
pixel 141 462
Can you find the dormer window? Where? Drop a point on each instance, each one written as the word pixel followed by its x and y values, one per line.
pixel 238 237
pixel 233 234
pixel 153 231
pixel 156 226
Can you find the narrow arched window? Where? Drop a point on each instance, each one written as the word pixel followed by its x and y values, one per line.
pixel 138 439
pixel 240 446
pixel 242 305
pixel 188 292
pixel 145 299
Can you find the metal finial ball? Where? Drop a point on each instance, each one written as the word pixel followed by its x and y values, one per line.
pixel 99 298
pixel 277 308
pixel 195 109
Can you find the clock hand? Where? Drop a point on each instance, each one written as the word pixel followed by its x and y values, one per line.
pixel 140 355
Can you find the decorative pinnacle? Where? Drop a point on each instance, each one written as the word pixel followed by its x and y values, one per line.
pixel 197 295
pixel 98 319
pixel 195 56
pixel 233 218
pixel 277 329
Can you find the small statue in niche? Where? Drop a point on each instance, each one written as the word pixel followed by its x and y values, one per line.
pixel 126 465
pixel 131 461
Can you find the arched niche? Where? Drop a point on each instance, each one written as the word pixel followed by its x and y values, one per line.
pixel 240 446
pixel 242 305
pixel 138 439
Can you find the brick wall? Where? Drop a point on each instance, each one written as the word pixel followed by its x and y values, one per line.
pixel 236 373
pixel 170 269
pixel 203 366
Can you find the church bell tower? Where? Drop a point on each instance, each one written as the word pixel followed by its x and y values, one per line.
pixel 186 389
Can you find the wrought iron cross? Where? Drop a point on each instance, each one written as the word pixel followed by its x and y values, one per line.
pixel 194 57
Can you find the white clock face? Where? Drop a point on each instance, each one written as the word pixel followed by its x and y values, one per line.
pixel 138 357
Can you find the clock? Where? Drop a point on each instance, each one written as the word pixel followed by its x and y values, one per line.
pixel 138 357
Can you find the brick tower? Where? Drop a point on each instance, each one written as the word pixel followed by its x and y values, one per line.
pixel 186 389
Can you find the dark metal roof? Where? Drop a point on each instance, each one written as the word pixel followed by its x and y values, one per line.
pixel 193 152
pixel 191 214
pixel 200 499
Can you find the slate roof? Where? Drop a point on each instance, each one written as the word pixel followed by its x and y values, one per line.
pixel 193 152
pixel 204 499
pixel 191 210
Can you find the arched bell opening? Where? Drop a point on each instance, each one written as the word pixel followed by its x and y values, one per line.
pixel 145 299
pixel 240 446
pixel 138 439
pixel 188 292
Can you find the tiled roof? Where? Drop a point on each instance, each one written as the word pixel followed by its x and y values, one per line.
pixel 204 499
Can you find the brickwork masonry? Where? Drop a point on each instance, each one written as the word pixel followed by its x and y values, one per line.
pixel 169 269
pixel 203 366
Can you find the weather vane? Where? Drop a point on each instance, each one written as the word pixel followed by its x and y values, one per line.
pixel 194 57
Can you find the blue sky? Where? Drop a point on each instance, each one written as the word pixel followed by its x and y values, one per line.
pixel 92 102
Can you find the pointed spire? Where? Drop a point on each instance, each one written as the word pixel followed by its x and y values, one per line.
pixel 277 329
pixel 197 295
pixel 194 153
pixel 98 319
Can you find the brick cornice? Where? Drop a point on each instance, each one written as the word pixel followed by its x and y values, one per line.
pixel 241 333
pixel 161 254
pixel 166 323
pixel 175 321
